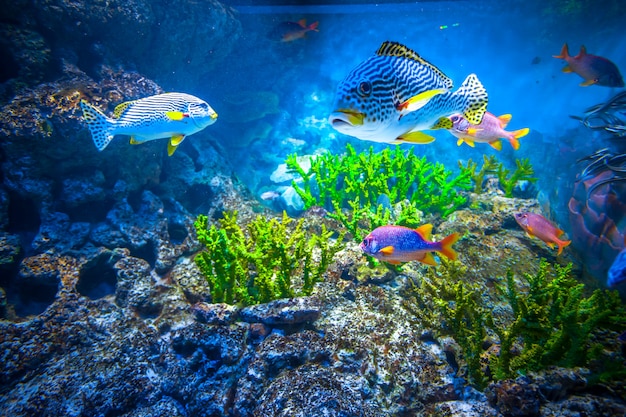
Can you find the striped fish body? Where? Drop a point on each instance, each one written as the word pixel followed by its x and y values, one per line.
pixel 394 95
pixel 170 115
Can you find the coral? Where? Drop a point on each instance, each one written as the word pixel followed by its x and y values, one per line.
pixel 552 323
pixel 523 172
pixel 370 184
pixel 260 265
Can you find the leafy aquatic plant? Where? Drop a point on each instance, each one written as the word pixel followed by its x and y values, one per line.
pixel 267 260
pixel 552 322
pixel 523 172
pixel 360 182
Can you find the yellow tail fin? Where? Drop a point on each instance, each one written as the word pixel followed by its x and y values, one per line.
pixel 446 246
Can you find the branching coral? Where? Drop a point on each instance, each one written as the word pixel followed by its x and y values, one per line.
pixel 508 180
pixel 358 181
pixel 552 322
pixel 262 262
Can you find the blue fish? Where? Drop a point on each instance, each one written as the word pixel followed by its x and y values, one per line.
pixel 617 271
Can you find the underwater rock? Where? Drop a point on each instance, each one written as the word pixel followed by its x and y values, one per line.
pixel 461 409
pixel 283 312
pixel 314 391
pixel 219 313
pixel 515 398
pixel 57 232
pixel 10 248
pixel 290 201
pixel 39 271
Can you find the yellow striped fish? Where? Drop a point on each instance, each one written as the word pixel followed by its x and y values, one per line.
pixel 170 115
pixel 394 95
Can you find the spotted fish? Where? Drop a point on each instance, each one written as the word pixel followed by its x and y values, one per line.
pixel 394 95
pixel 169 115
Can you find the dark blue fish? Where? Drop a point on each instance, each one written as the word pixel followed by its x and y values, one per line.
pixel 617 271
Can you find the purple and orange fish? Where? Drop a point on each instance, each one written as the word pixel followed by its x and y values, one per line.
pixel 535 225
pixel 490 130
pixel 594 69
pixel 290 31
pixel 397 244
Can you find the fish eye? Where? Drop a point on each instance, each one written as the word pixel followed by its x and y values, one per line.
pixel 454 118
pixel 365 88
pixel 366 242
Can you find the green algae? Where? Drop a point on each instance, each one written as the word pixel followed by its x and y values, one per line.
pixel 508 179
pixel 551 321
pixel 266 260
pixel 353 185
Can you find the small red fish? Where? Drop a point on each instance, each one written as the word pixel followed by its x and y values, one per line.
pixel 490 130
pixel 290 31
pixel 536 225
pixel 396 244
pixel 594 69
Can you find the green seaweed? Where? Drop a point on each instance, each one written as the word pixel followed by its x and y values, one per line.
pixel 523 172
pixel 267 260
pixel 352 185
pixel 552 323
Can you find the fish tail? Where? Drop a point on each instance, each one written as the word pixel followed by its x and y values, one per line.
pixel 515 135
pixel 564 52
pixel 99 125
pixel 446 246
pixel 314 25
pixel 472 99
pixel 561 244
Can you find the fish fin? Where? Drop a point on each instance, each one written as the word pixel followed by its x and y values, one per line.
pixel 459 142
pixel 472 99
pixel 550 244
pixel 417 137
pixel 302 23
pixel 176 115
pixel 428 259
pixel 314 26
pixel 398 50
pixel 472 131
pixel 417 102
pixel 496 144
pixel 559 232
pixel 504 120
pixel 564 52
pixel 176 140
pixel 520 133
pixel 469 142
pixel 446 246
pixel 583 51
pixel 425 231
pixel 562 244
pixel 171 149
pixel 394 262
pixel 100 126
pixel 567 69
pixel 387 250
pixel 134 141
pixel 121 108
pixel 530 230
pixel 443 123
pixel 587 83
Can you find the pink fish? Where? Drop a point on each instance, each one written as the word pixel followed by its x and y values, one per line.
pixel 594 69
pixel 536 225
pixel 490 130
pixel 396 244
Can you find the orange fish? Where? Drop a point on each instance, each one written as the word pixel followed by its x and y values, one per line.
pixel 536 225
pixel 290 31
pixel 594 69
